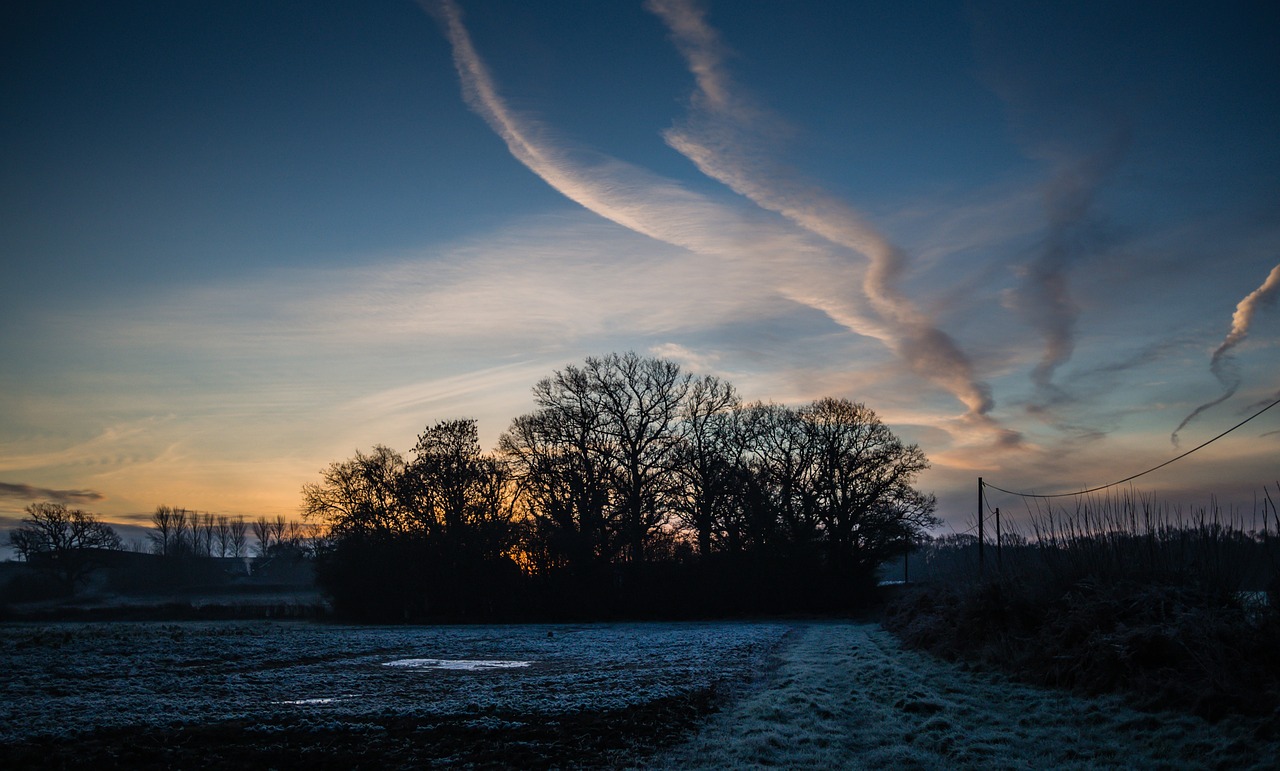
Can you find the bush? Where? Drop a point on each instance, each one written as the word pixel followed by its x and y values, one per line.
pixel 1158 615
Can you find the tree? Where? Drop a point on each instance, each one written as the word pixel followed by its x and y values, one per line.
pixel 707 460
pixel 639 400
pixel 861 485
pixel 595 461
pixel 162 535
pixel 781 464
pixel 262 530
pixel 561 478
pixel 237 539
pixel 222 534
pixel 432 535
pixel 457 493
pixel 63 540
pixel 362 495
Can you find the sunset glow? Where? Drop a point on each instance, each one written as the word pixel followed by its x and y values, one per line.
pixel 241 242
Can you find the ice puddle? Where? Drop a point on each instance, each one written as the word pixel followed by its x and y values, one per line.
pixel 462 664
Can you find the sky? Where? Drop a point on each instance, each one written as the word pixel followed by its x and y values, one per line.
pixel 242 240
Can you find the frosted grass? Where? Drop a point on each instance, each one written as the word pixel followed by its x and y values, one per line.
pixel 63 679
pixel 847 695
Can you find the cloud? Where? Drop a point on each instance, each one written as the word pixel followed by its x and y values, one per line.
pixel 1222 364
pixel 1045 298
pixel 32 493
pixel 728 138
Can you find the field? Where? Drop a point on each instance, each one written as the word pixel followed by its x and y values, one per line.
pixel 228 694
pixel 797 694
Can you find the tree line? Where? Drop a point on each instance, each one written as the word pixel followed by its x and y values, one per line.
pixel 177 532
pixel 69 544
pixel 632 488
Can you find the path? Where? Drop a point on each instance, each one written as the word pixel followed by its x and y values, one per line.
pixel 845 695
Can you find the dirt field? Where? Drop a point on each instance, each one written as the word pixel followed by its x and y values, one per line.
pixel 799 694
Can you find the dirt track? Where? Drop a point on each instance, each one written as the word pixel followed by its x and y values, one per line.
pixel 845 695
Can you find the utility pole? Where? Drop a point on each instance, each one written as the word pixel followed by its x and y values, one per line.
pixel 981 564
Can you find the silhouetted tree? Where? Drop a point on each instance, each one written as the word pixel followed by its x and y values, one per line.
pixel 162 535
pixel 237 540
pixel 62 540
pixel 362 495
pixel 783 514
pixel 861 485
pixel 262 532
pixel 562 479
pixel 639 400
pixel 432 535
pixel 707 460
pixel 455 491
pixel 630 482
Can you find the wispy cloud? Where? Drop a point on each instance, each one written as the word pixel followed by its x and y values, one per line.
pixel 33 493
pixel 1222 364
pixel 1045 299
pixel 786 260
pixel 728 138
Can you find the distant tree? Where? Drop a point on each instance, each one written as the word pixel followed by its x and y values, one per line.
pixel 206 526
pixel 183 537
pixel 262 531
pixel 62 540
pixel 162 534
pixel 237 540
pixel 222 534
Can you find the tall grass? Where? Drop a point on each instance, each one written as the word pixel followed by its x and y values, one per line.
pixel 1126 537
pixel 1178 606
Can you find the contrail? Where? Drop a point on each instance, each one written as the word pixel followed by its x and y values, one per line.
pixel 1046 295
pixel 640 201
pixel 723 138
pixel 1222 364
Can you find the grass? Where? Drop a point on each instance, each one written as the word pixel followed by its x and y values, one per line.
pixel 1174 608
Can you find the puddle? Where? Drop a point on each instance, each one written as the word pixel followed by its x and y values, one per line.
pixel 461 664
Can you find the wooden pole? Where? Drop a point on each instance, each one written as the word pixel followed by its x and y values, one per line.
pixel 981 565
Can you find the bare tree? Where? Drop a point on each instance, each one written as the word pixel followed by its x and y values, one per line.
pixel 562 480
pixel 207 527
pixel 222 534
pixel 262 531
pixel 454 491
pixel 62 539
pixel 279 526
pixel 359 496
pixel 237 540
pixel 183 540
pixel 162 535
pixel 862 484
pixel 708 459
pixel 639 400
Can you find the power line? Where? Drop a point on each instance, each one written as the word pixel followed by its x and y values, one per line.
pixel 1148 471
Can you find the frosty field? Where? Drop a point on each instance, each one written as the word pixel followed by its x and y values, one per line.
pixel 148 693
pixel 792 694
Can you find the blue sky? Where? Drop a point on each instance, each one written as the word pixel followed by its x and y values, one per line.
pixel 242 240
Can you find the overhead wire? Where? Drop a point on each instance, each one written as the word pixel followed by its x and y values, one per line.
pixel 1143 473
